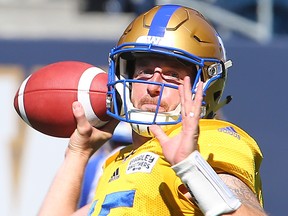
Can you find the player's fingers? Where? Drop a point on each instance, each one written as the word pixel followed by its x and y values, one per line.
pixel 198 99
pixel 159 133
pixel 188 103
pixel 192 107
pixel 182 101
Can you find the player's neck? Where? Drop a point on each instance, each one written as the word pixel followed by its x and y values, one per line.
pixel 138 140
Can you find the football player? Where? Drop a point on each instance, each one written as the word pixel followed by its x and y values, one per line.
pixel 169 68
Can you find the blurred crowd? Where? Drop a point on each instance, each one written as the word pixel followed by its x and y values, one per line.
pixel 126 6
pixel 246 8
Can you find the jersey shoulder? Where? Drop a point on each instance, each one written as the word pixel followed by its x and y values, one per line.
pixel 228 128
pixel 226 135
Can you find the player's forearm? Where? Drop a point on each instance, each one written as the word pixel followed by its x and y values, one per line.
pixel 247 210
pixel 216 194
pixel 250 203
pixel 63 195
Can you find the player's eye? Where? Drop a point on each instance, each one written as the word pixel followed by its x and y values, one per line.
pixel 144 73
pixel 174 74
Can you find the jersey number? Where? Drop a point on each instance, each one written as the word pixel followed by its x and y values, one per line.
pixel 114 200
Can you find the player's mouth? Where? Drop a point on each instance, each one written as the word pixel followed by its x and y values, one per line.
pixel 152 108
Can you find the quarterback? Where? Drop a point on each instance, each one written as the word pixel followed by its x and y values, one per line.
pixel 166 77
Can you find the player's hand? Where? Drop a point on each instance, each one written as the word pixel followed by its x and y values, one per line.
pixel 86 139
pixel 179 147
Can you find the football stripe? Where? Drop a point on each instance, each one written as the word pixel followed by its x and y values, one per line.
pixel 21 101
pixel 84 97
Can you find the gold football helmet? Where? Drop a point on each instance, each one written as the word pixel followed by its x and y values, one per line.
pixel 174 31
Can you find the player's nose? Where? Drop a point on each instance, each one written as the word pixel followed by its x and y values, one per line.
pixel 153 89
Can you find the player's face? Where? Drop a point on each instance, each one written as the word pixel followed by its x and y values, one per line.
pixel 163 70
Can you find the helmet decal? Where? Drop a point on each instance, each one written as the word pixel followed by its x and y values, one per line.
pixel 161 19
pixel 155 40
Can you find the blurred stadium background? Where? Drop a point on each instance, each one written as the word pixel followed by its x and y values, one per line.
pixel 34 33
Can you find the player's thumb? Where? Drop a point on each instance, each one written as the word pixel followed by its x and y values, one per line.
pixel 83 126
pixel 159 133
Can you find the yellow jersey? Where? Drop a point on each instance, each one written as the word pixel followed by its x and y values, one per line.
pixel 141 182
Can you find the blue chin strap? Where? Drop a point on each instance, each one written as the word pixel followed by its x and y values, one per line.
pixel 119 87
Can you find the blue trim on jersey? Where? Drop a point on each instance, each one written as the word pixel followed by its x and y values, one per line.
pixel 161 19
pixel 116 200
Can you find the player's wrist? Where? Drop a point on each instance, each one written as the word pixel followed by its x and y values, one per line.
pixel 210 193
pixel 76 151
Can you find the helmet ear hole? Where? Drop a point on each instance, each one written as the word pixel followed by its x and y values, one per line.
pixel 217 95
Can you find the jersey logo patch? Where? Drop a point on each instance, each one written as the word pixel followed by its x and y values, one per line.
pixel 115 175
pixel 229 130
pixel 142 163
